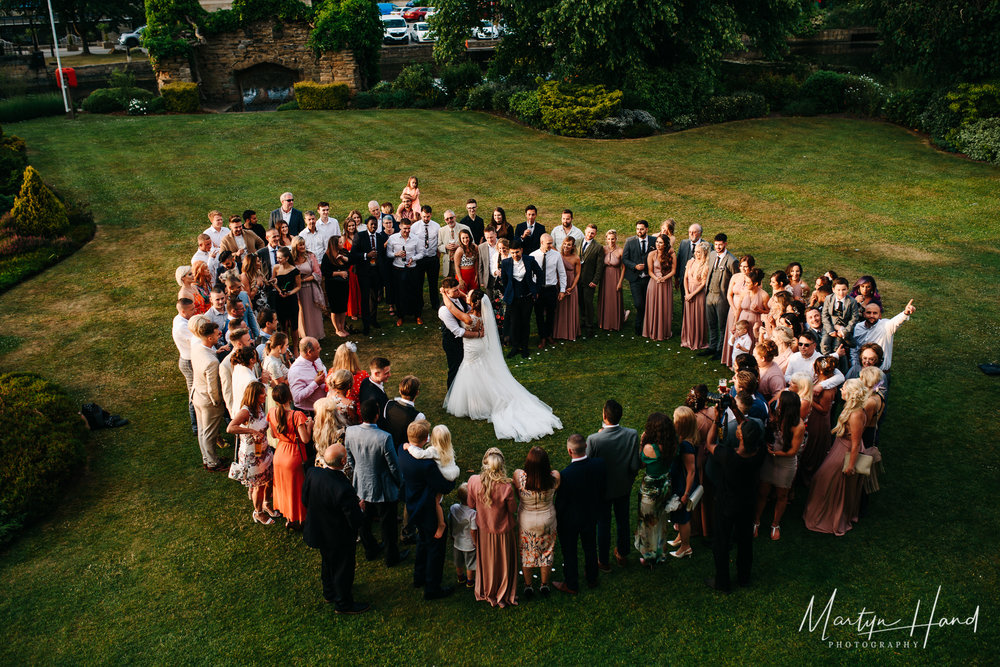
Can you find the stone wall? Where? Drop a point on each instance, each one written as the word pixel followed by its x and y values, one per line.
pixel 219 61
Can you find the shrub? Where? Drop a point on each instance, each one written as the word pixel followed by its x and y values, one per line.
pixel 626 124
pixel 904 107
pixel 181 97
pixel 668 93
pixel 460 77
pixel 572 110
pixel 156 105
pixel 822 92
pixel 501 98
pixel 13 160
pixel 778 90
pixel 416 82
pixel 939 119
pixel 974 101
pixel 43 447
pixel 103 100
pixel 291 105
pixel 31 106
pixel 363 100
pixel 864 95
pixel 480 97
pixel 723 108
pixel 980 140
pixel 322 96
pixel 37 211
pixel 459 101
pixel 684 121
pixel 524 105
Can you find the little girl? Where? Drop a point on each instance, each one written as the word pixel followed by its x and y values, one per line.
pixel 412 192
pixel 443 454
pixel 740 340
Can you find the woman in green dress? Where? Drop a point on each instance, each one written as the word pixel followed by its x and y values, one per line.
pixel 659 445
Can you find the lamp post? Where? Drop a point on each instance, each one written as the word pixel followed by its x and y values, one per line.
pixel 55 45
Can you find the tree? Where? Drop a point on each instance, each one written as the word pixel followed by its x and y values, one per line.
pixel 84 15
pixel 940 42
pixel 37 211
pixel 452 25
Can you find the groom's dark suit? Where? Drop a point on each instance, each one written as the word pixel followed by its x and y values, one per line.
pixel 452 333
pixel 519 295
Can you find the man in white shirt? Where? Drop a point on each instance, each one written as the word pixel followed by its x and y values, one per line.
pixel 448 243
pixel 803 361
pixel 403 249
pixel 315 240
pixel 207 253
pixel 215 230
pixel 240 338
pixel 425 231
pixel 307 376
pixel 552 289
pixel 452 331
pixel 875 329
pixel 327 225
pixel 489 260
pixel 217 313
pixel 567 228
pixel 182 339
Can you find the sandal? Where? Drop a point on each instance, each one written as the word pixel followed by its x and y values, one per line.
pixel 755 527
pixel 266 521
pixel 676 542
pixel 775 532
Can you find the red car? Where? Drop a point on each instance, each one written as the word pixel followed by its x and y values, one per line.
pixel 415 13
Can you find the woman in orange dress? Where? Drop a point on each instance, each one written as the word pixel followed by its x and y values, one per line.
pixel 737 286
pixel 346 243
pixel 292 430
pixel 190 289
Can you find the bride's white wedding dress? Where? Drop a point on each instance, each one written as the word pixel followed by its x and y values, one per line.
pixel 485 389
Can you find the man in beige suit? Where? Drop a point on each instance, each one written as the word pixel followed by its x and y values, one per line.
pixel 240 241
pixel 206 393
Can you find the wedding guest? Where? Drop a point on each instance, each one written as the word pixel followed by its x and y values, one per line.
pixel 252 282
pixel 634 259
pixel 865 292
pixel 189 291
pixel 238 303
pixel 781 462
pixel 371 453
pixel 314 238
pixel 551 287
pixel 426 233
pixel 461 520
pixel 441 451
pixel 215 230
pixel 401 248
pixel 292 429
pixel 288 214
pixel 422 481
pixel 492 496
pixel 373 386
pixel 466 260
pixel 778 306
pixel 183 337
pixel 619 447
pixel 822 289
pixel 869 354
pixel 252 467
pixel 591 273
pixel 331 526
pixel 658 446
pixel 243 359
pixel 705 415
pixel 772 378
pixel 307 376
pixel 400 412
pixel 685 253
pixel 840 314
pixel 610 312
pixel 351 226
pixel 529 232
pixel 474 223
pixel 208 254
pixel 661 265
pixel 801 385
pixel 753 303
pixel 578 503
pixel 536 486
pixel 695 288
pixel 367 259
pixel 239 241
pixel 835 492
pixel 325 224
pixel 335 269
pixel 411 195
pixel 779 283
pixel 567 315
pixel 504 228
pixel 804 361
pixel 734 507
pixel 385 265
pixel 872 378
pixel 875 329
pixel 488 263
pixel 274 364
pixel 206 393
pixel 287 283
pixel 734 296
pixel 346 358
pixel 740 341
pixel 565 230
pixel 311 299
pixel 818 426
pixel 338 404
pixel 667 228
pixel 722 267
pixel 202 280
pixel 799 287
pixel 448 243
pixel 684 478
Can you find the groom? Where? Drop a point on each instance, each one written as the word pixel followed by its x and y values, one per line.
pixel 452 331
pixel 520 277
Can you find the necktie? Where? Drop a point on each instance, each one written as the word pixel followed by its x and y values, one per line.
pixel 545 276
pixel 274 256
pixel 585 244
pixel 427 227
pixel 642 245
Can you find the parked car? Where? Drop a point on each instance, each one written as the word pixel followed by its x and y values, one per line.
pixel 421 32
pixel 486 30
pixel 415 14
pixel 395 30
pixel 131 40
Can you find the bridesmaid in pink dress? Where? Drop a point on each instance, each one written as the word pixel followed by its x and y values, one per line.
pixel 312 301
pixel 818 423
pixel 835 493
pixel 567 321
pixel 737 286
pixel 660 292
pixel 610 314
pixel 753 304
pixel 799 287
pixel 695 283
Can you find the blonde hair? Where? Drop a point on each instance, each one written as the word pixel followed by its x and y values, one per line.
pixel 347 358
pixel 686 425
pixel 295 255
pixel 194 323
pixel 871 376
pixel 492 474
pixel 701 268
pixel 341 379
pixel 805 384
pixel 855 396
pixel 330 423
pixel 441 440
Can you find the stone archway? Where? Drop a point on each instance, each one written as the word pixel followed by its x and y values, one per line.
pixel 266 85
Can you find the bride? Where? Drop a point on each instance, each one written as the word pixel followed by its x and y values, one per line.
pixel 484 387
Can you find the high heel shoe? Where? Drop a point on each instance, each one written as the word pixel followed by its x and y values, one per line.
pixel 265 521
pixel 676 542
pixel 682 554
pixel 756 526
pixel 775 532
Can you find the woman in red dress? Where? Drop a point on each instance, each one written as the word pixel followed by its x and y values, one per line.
pixel 467 262
pixel 353 290
pixel 292 430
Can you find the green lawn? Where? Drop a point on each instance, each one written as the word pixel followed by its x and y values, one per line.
pixel 150 559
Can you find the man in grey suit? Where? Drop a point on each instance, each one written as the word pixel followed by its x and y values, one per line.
pixel 484 269
pixel 685 252
pixel 619 447
pixel 293 216
pixel 206 393
pixel 723 265
pixel 372 455
pixel 840 314
pixel 591 272
pixel 634 259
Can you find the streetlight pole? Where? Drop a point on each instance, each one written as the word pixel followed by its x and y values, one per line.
pixel 55 46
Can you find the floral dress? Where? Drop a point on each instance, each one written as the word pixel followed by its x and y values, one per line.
pixel 650 534
pixel 537 522
pixel 250 469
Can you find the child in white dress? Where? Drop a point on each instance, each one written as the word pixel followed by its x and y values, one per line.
pixel 443 453
pixel 740 340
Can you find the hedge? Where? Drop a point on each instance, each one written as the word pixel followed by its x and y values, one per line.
pixel 322 96
pixel 37 211
pixel 181 97
pixel 572 110
pixel 980 140
pixel 43 448
pixel 739 106
pixel 109 100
